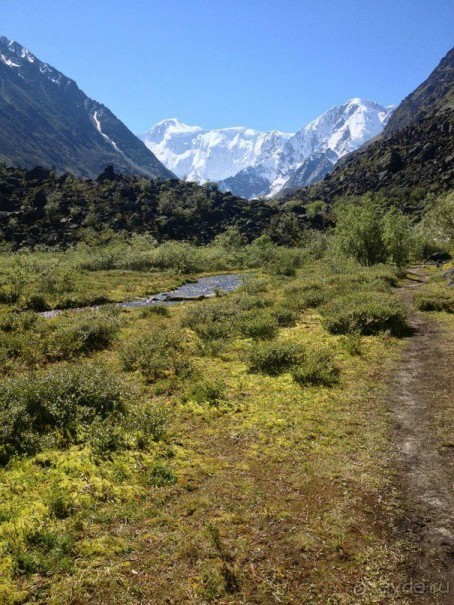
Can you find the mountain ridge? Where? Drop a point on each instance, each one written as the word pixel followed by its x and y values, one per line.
pixel 413 157
pixel 253 163
pixel 47 120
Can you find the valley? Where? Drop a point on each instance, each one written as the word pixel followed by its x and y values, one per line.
pixel 225 354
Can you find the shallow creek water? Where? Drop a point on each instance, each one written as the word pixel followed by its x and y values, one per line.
pixel 204 287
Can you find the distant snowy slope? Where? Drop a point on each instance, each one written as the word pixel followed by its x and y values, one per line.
pixel 210 155
pixel 251 163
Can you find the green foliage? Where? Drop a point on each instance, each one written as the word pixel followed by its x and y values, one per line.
pixel 206 391
pixel 284 316
pixel 315 208
pixel 317 368
pixel 160 310
pixel 397 237
pixel 274 358
pixel 260 326
pixel 106 437
pixel 365 312
pixel 308 296
pixel 435 300
pixel 154 353
pixel 47 552
pixel 359 233
pixel 82 333
pixel 148 423
pixel 160 475
pixel 55 403
pixel 352 343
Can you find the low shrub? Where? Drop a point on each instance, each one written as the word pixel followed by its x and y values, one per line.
pixel 352 343
pixel 317 368
pixel 82 333
pixel 274 358
pixel 247 302
pixel 308 296
pixel 212 321
pixel 366 313
pixel 285 317
pixel 18 352
pixel 154 353
pixel 147 423
pixel 47 552
pixel 207 391
pixel 58 402
pixel 106 437
pixel 160 475
pixel 37 302
pixel 160 310
pixel 18 322
pixel 435 301
pixel 258 326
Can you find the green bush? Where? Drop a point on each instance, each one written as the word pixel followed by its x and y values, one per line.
pixel 307 295
pixel 317 368
pixel 148 423
pixel 82 333
pixel 18 322
pixel 37 302
pixel 365 313
pixel 274 358
pixel 56 403
pixel 435 301
pixel 212 321
pixel 160 310
pixel 106 437
pixel 154 353
pixel 207 391
pixel 161 475
pixel 352 343
pixel 19 350
pixel 47 552
pixel 258 326
pixel 284 316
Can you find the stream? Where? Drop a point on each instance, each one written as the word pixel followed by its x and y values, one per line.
pixel 204 287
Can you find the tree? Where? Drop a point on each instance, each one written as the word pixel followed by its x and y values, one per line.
pixel 397 235
pixel 359 233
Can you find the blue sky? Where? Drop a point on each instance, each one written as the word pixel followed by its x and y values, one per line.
pixel 260 63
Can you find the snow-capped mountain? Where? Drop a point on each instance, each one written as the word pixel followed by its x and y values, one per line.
pixel 46 120
pixel 251 163
pixel 340 130
pixel 210 155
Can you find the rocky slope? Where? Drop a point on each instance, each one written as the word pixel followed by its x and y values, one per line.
pixel 39 207
pixel 412 158
pixel 251 163
pixel 47 120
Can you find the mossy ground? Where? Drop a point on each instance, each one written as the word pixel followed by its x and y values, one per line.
pixel 260 490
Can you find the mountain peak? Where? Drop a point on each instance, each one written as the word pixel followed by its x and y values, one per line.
pixel 258 158
pixel 70 131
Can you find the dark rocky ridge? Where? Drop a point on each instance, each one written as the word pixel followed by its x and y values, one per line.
pixel 47 120
pixel 413 156
pixel 39 207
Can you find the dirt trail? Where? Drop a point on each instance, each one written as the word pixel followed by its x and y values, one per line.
pixel 422 402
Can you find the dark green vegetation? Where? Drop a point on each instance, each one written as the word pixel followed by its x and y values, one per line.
pixel 48 121
pixel 410 161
